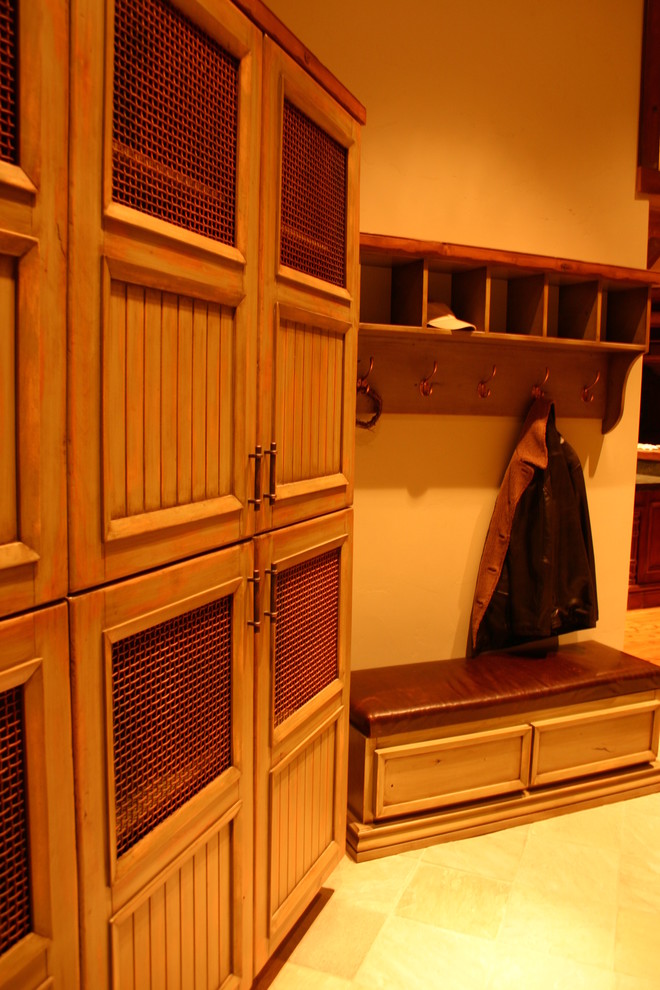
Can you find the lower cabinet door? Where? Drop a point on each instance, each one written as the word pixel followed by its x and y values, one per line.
pixel 301 718
pixel 162 702
pixel 38 893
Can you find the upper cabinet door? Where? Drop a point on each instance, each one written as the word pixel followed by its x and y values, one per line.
pixel 33 246
pixel 165 124
pixel 309 289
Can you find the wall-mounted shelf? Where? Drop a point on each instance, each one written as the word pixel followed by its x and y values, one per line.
pixel 569 328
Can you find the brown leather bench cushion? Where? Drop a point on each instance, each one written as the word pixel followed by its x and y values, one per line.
pixel 411 697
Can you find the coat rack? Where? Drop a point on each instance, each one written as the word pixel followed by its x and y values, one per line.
pixel 459 376
pixel 449 329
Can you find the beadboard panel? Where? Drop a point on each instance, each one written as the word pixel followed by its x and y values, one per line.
pixel 181 932
pixel 302 802
pixel 169 416
pixel 309 369
pixel 8 397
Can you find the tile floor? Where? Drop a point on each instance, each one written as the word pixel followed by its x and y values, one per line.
pixel 571 902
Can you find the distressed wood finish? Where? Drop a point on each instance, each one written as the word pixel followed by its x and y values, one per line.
pixel 302 797
pixel 169 423
pixel 309 377
pixel 308 325
pixel 162 361
pixel 182 925
pixel 415 776
pixel 34 657
pixel 8 403
pixel 577 745
pixel 300 761
pixel 33 246
pixel 192 360
pixel 117 890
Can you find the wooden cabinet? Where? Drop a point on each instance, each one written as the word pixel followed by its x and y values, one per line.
pixel 178 290
pixel 644 585
pixel 309 295
pixel 38 893
pixel 302 656
pixel 162 286
pixel 213 327
pixel 162 711
pixel 33 245
pixel 569 329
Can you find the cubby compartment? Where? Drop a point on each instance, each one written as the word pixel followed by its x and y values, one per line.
pixel 464 290
pixel 518 304
pixel 376 294
pixel 625 317
pixel 574 309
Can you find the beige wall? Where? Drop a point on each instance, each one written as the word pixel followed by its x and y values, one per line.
pixel 505 125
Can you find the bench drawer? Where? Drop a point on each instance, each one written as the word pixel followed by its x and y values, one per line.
pixel 425 775
pixel 578 745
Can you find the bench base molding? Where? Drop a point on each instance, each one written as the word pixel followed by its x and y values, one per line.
pixel 384 838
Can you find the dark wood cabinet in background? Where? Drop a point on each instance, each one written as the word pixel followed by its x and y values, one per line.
pixel 644 585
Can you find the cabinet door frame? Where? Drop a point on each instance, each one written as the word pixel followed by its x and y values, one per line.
pixel 323 319
pixel 33 244
pixel 648 552
pixel 113 889
pixel 315 734
pixel 34 656
pixel 176 281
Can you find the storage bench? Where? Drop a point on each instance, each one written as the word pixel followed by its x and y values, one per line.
pixel 464 746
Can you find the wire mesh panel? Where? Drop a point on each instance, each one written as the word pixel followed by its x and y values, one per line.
pixel 171 715
pixel 15 919
pixel 307 604
pixel 313 238
pixel 8 88
pixel 175 120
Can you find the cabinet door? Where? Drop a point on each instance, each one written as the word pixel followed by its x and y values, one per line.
pixel 301 718
pixel 309 277
pixel 162 702
pixel 38 894
pixel 33 245
pixel 164 184
pixel 648 561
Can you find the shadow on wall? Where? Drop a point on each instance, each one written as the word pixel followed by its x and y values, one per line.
pixel 421 453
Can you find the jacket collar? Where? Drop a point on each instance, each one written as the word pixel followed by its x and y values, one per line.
pixel 532 446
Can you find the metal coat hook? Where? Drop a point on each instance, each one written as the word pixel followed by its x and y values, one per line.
pixel 426 385
pixel 537 390
pixel 586 391
pixel 481 387
pixel 364 388
pixel 362 385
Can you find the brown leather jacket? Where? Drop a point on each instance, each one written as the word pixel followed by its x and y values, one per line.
pixel 537 575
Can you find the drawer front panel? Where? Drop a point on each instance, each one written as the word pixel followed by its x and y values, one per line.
pixel 577 745
pixel 427 775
